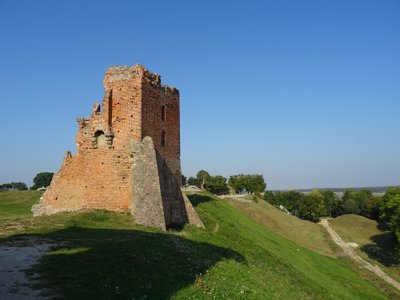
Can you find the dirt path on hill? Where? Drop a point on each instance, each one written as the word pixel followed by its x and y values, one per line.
pixel 348 249
pixel 238 198
pixel 15 259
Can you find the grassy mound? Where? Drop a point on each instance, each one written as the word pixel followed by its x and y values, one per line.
pixel 304 233
pixel 103 255
pixel 17 204
pixel 376 245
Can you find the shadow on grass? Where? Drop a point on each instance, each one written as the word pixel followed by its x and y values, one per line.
pixel 122 264
pixel 383 249
pixel 197 199
pixel 382 226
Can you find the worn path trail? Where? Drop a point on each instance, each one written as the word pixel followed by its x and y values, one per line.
pixel 15 259
pixel 349 250
pixel 238 198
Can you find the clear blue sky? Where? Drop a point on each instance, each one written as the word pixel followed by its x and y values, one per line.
pixel 306 93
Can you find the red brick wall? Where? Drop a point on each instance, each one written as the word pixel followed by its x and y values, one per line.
pixel 97 178
pixel 126 105
pixel 100 177
pixel 154 97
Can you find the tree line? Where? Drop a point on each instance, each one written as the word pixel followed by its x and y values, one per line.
pixel 250 183
pixel 324 203
pixel 42 179
pixel 20 186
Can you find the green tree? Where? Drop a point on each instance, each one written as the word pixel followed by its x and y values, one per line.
pixel 202 176
pixel 390 210
pixel 350 205
pixel 371 207
pixel 193 181
pixel 256 183
pixel 42 180
pixel 19 186
pixel 337 208
pixel 253 183
pixel 331 202
pixel 237 183
pixel 216 184
pixel 5 186
pixel 310 207
pixel 13 186
pixel 269 196
pixel 184 179
pixel 290 200
pixel 353 201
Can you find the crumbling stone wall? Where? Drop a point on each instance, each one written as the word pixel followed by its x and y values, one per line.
pixel 128 154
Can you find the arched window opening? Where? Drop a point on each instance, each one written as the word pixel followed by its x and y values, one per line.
pixel 163 113
pixel 163 138
pixel 100 139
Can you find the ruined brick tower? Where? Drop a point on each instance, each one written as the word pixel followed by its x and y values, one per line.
pixel 128 155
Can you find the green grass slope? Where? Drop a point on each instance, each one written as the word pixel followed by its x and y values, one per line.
pixel 17 204
pixel 376 245
pixel 102 255
pixel 304 233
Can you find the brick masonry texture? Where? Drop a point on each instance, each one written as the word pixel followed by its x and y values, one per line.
pixel 128 155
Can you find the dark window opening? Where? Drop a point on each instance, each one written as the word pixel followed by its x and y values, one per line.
pixel 163 138
pixel 110 112
pixel 163 113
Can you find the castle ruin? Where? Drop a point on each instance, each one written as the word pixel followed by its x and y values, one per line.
pixel 128 155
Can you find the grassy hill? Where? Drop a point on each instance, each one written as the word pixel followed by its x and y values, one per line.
pixel 304 233
pixel 103 255
pixel 17 204
pixel 376 245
